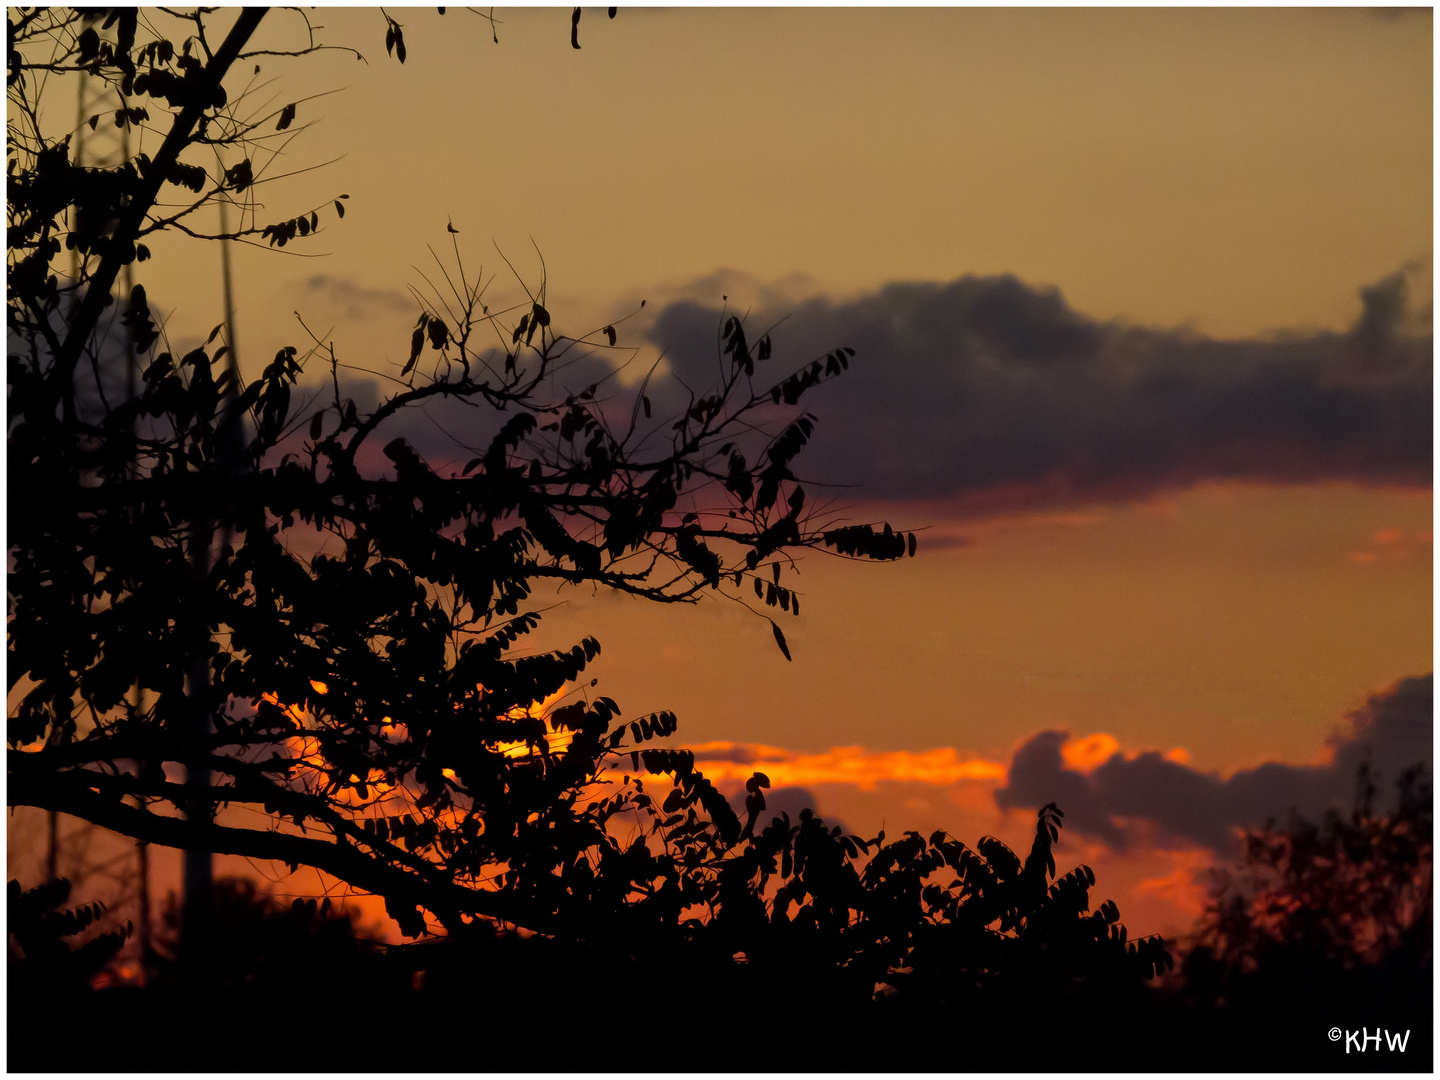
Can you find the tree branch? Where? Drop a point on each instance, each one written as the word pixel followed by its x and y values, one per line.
pixel 146 193
pixel 72 793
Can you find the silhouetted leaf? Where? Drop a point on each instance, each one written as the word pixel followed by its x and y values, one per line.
pixel 780 639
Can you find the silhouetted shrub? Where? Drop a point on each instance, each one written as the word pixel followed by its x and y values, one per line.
pixel 42 961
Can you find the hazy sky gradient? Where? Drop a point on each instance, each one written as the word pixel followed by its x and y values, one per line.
pixel 1179 175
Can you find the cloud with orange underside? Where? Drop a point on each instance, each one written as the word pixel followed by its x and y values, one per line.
pixel 1089 753
pixel 1392 732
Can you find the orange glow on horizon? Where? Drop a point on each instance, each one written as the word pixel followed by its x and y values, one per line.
pixel 841 765
pixel 1185 887
pixel 725 761
pixel 1179 889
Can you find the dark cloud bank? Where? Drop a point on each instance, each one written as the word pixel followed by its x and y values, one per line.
pixel 1393 730
pixel 994 394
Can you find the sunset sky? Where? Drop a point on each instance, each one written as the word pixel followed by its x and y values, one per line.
pixel 1141 307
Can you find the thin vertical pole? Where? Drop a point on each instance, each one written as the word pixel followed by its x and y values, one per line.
pixel 199 865
pixel 142 924
pixel 52 848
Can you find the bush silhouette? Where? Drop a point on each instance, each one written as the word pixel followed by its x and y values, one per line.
pixel 43 962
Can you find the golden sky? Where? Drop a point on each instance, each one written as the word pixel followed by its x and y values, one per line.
pixel 1237 171
pixel 1232 174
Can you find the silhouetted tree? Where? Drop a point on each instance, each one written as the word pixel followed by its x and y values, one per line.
pixel 1315 900
pixel 368 691
pixel 1323 925
pixel 345 666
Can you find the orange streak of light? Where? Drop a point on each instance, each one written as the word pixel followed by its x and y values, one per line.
pixel 840 765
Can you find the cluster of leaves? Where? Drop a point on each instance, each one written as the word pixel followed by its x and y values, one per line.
pixel 822 908
pixel 864 541
pixel 39 926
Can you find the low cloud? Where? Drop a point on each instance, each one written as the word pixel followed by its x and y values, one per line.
pixel 344 296
pixel 1392 731
pixel 995 395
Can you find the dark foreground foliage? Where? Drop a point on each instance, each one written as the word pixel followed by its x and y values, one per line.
pixel 1004 943
pixel 538 1011
pixel 1324 926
